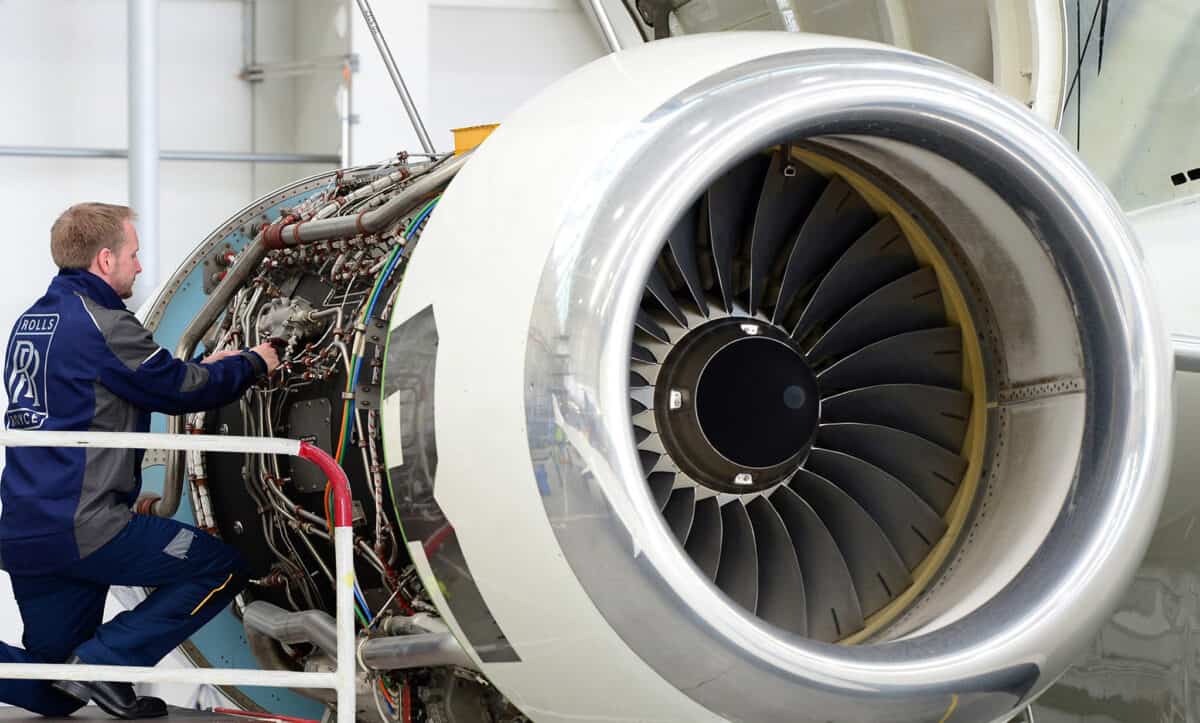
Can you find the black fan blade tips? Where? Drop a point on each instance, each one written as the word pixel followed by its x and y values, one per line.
pixel 704 543
pixel 682 245
pixel 679 511
pixel 781 598
pixel 910 525
pixel 833 609
pixel 788 194
pixel 935 413
pixel 932 356
pixel 730 207
pixel 737 574
pixel 838 219
pixel 657 285
pixel 878 572
pixel 910 303
pixel 661 484
pixel 931 471
pixel 879 257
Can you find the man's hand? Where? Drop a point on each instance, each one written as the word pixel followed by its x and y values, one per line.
pixel 217 356
pixel 266 350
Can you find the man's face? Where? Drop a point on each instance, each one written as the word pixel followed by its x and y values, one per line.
pixel 125 264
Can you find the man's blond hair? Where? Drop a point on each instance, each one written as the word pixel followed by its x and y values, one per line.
pixel 84 229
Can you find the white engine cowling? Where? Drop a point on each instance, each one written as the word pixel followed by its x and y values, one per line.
pixel 560 489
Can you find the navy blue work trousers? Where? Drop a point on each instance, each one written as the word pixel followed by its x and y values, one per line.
pixel 194 574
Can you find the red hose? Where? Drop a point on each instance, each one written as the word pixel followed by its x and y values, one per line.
pixel 342 510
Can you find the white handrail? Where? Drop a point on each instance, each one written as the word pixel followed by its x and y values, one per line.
pixel 342 680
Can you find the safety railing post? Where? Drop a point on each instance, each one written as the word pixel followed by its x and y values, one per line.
pixel 342 681
pixel 343 550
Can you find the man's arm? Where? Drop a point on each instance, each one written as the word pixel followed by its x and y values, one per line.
pixel 145 374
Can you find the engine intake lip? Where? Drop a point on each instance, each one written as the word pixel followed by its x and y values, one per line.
pixel 1006 648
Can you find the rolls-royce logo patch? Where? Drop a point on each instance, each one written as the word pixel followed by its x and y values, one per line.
pixel 25 370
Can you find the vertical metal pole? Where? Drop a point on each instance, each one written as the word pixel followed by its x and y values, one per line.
pixel 143 135
pixel 343 553
pixel 347 666
pixel 397 80
pixel 345 103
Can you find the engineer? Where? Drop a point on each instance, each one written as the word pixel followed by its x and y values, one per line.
pixel 79 360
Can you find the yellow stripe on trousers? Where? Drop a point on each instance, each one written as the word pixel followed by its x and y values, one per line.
pixel 208 597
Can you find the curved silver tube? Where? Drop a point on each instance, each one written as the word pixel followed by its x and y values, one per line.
pixel 309 626
pixel 423 650
pixel 290 233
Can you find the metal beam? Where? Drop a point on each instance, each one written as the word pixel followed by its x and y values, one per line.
pixel 386 53
pixel 600 14
pixel 211 156
pixel 283 69
pixel 142 17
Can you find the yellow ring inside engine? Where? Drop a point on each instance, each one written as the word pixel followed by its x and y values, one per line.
pixel 974 382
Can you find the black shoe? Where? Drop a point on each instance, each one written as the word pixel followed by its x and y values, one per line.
pixel 116 699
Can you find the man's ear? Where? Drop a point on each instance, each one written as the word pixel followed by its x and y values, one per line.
pixel 104 260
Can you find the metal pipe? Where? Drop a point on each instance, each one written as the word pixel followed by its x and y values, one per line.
pixel 309 626
pixel 209 156
pixel 143 132
pixel 278 235
pixel 420 650
pixel 394 72
pixel 245 265
pixel 1187 352
pixel 605 24
pixel 424 650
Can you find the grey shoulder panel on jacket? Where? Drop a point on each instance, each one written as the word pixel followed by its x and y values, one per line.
pixel 126 337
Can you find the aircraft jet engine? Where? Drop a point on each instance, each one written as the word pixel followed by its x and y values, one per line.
pixel 742 376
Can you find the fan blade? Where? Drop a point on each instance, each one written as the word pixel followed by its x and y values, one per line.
pixel 679 511
pixel 839 217
pixel 643 355
pixel 931 471
pixel 737 574
pixel 660 486
pixel 932 356
pixel 658 287
pixel 682 245
pixel 704 541
pixel 880 256
pixel 910 303
pixel 650 326
pixel 781 599
pixel 935 413
pixel 730 204
pixel 833 610
pixel 788 194
pixel 878 572
pixel 910 525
